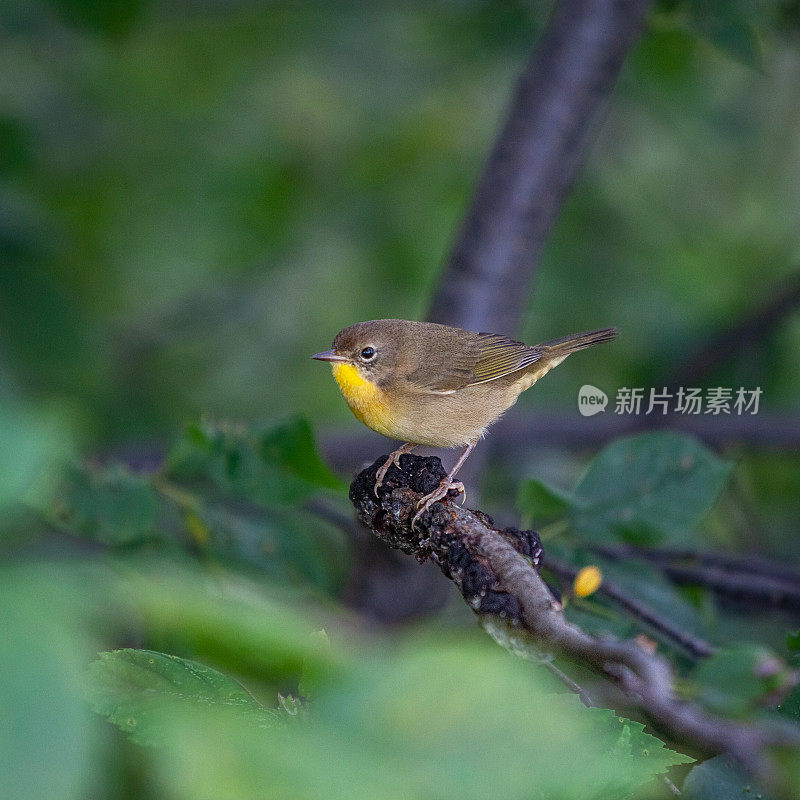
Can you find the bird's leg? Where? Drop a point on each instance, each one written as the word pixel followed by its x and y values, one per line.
pixel 446 485
pixel 394 458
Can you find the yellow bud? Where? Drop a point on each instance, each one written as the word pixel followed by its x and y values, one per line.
pixel 587 581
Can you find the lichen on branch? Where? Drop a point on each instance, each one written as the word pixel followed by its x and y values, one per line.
pixel 444 535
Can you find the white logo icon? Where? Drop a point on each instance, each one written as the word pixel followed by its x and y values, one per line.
pixel 591 400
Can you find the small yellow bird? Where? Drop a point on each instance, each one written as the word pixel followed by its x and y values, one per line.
pixel 429 384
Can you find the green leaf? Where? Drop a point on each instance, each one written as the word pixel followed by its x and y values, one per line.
pixel 138 689
pixel 738 679
pixel 389 727
pixel 291 547
pixel 274 466
pixel 541 502
pixel 291 446
pixel 793 641
pixel 647 489
pixel 502 714
pixel 118 507
pixel 719 779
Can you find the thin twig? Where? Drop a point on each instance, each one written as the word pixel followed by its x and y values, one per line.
pixel 496 572
pixel 688 642
pixel 732 562
pixel 742 578
pixel 574 687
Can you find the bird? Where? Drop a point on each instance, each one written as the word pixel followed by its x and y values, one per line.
pixel 428 384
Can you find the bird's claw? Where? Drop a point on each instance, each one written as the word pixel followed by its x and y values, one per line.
pixel 439 493
pixel 394 458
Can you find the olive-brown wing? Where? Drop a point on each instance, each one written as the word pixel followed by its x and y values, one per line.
pixel 500 356
pixel 476 358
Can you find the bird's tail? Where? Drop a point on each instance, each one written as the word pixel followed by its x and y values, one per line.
pixel 561 348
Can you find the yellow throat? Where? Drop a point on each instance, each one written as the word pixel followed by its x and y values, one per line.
pixel 366 400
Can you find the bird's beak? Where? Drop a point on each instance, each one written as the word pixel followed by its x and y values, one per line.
pixel 328 355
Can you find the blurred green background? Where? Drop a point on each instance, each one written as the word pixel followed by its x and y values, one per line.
pixel 196 196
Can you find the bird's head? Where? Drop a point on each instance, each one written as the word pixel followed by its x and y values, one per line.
pixel 373 349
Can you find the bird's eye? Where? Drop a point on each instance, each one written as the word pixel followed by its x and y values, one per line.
pixel 368 353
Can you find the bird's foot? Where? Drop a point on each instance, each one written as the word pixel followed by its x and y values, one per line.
pixel 439 493
pixel 394 458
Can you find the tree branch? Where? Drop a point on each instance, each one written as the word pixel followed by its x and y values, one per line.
pixel 497 573
pixel 558 99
